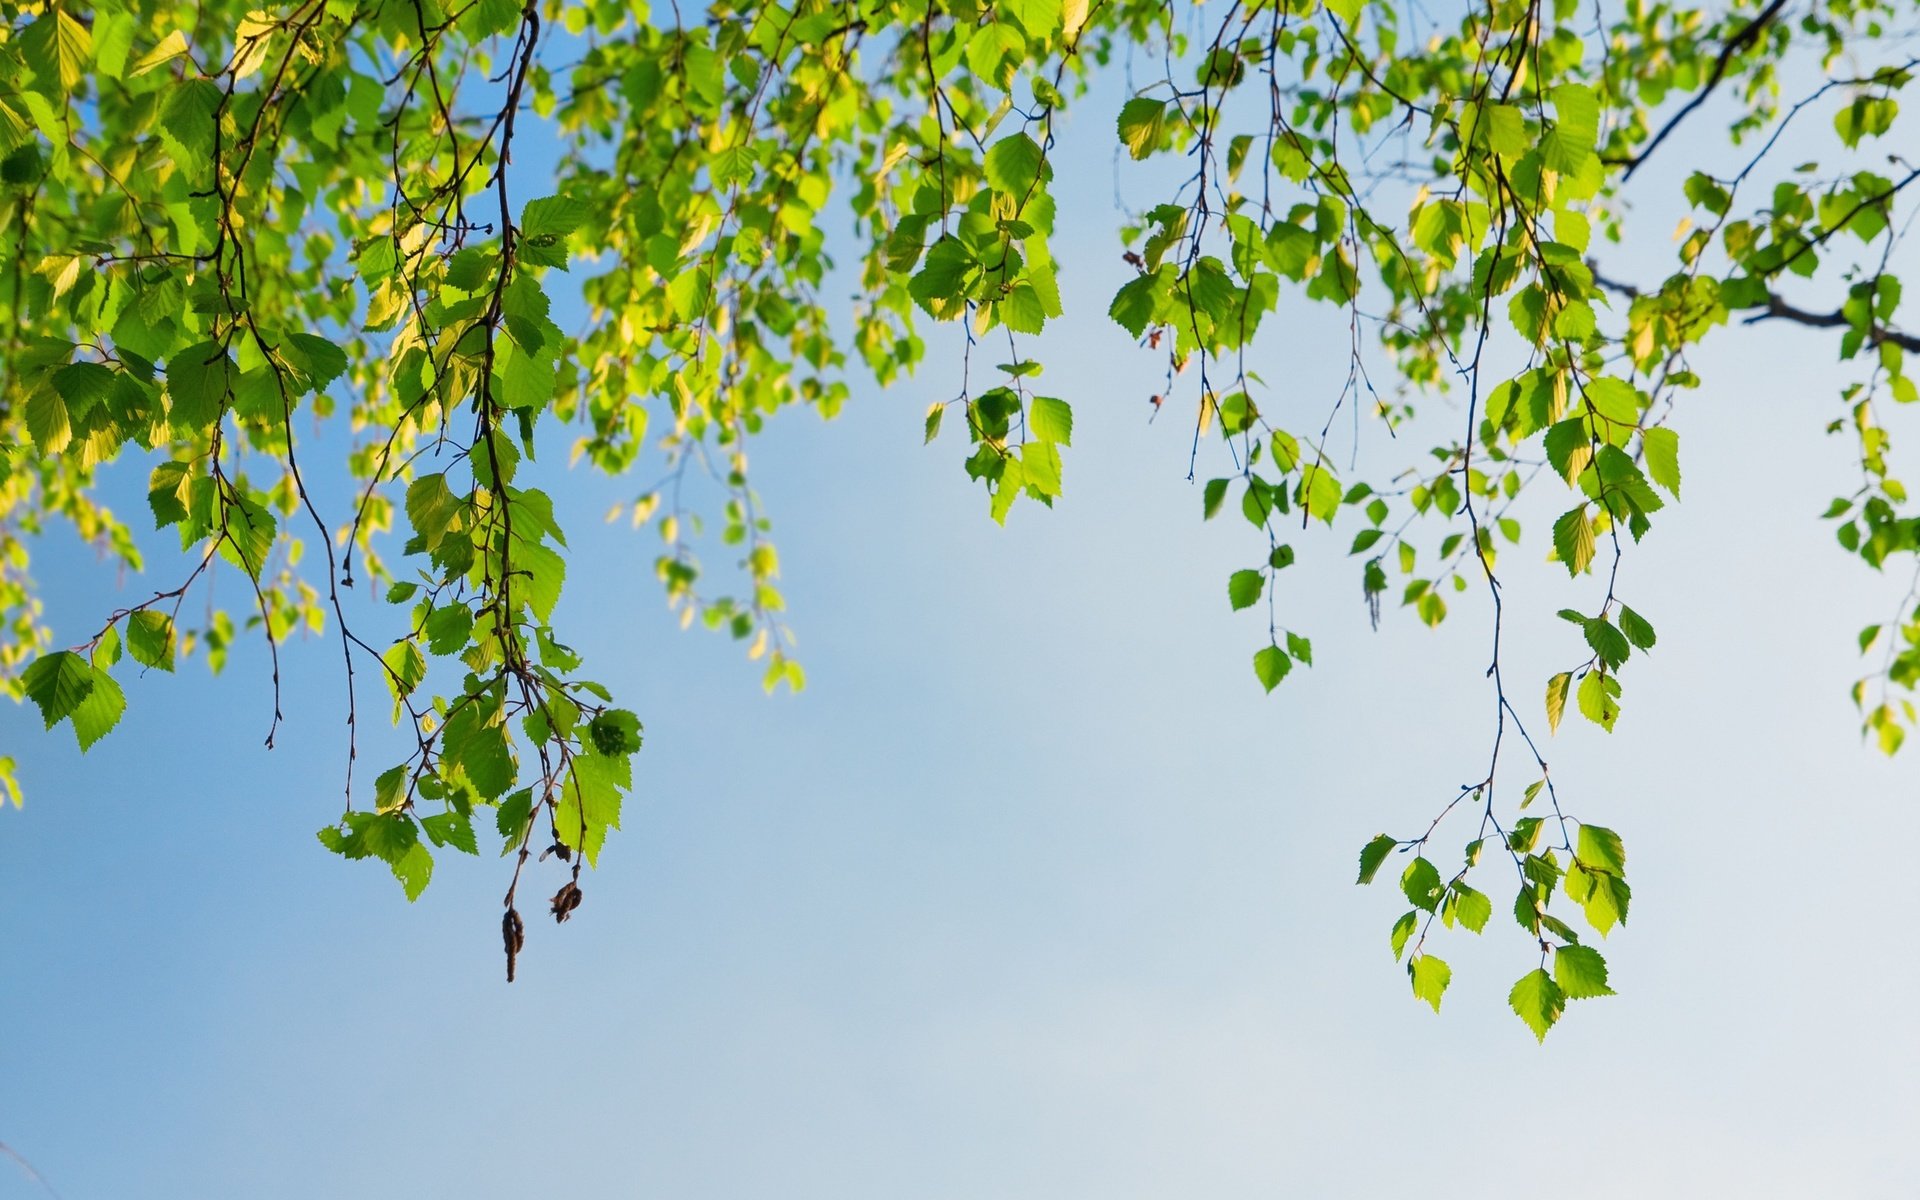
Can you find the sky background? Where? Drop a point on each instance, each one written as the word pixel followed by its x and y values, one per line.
pixel 1032 893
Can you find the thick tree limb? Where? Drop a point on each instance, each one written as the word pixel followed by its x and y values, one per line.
pixel 1876 334
pixel 1778 307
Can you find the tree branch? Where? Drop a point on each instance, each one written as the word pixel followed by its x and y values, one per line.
pixel 1777 307
pixel 1876 333
pixel 1738 42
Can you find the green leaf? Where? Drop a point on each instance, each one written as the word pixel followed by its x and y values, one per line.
pixel 1580 972
pixel 413 869
pixel 1421 883
pixel 1319 493
pixel 451 829
pixel 350 842
pixel 390 789
pixel 71 43
pixel 389 835
pixel 1244 588
pixel 477 747
pixel 1402 930
pixel 319 360
pixel 1373 854
pixel 615 732
pixel 1621 479
pixel 1636 628
pixel 1142 120
pixel 1040 468
pixel 83 385
pixel 1538 1001
pixel 1022 310
pixel 1051 420
pixel 167 493
pixel 1013 165
pixel 512 817
pixel 934 414
pixel 1600 699
pixel 173 46
pixel 150 639
pixel 1576 127
pixel 1607 642
pixel 250 530
pixel 432 508
pixel 406 667
pixel 1297 646
pixel 1573 539
pixel 1471 908
pixel 1525 833
pixel 994 52
pixel 1569 447
pixel 1662 451
pixel 447 628
pixel 1270 666
pixel 200 382
pixel 99 710
pixel 48 422
pixel 940 286
pixel 1211 498
pixel 1614 400
pixel 1557 688
pixel 1040 18
pixel 57 683
pixel 106 652
pixel 1603 898
pixel 553 216
pixel 589 802
pixel 1601 849
pixel 1430 978
pixel 1137 303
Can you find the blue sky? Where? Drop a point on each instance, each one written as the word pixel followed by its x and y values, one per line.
pixel 1031 893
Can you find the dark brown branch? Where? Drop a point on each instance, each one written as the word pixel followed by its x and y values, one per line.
pixel 1735 44
pixel 1876 333
pixel 1777 307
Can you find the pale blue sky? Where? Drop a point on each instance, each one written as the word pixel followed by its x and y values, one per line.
pixel 1031 893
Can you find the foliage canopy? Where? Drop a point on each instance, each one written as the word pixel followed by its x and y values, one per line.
pixel 228 227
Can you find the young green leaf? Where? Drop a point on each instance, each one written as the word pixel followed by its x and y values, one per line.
pixel 1051 420
pixel 1270 666
pixel 1421 883
pixel 1662 452
pixel 1600 699
pixel 57 683
pixel 1141 122
pixel 1573 539
pixel 1373 854
pixel 1214 493
pixel 1601 849
pixel 1557 688
pixel 1402 931
pixel 1580 972
pixel 413 868
pixel 1244 588
pixel 1537 1000
pixel 99 709
pixel 1608 643
pixel 1430 977
pixel 1636 628
pixel 150 639
pixel 1013 165
pixel 1471 908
